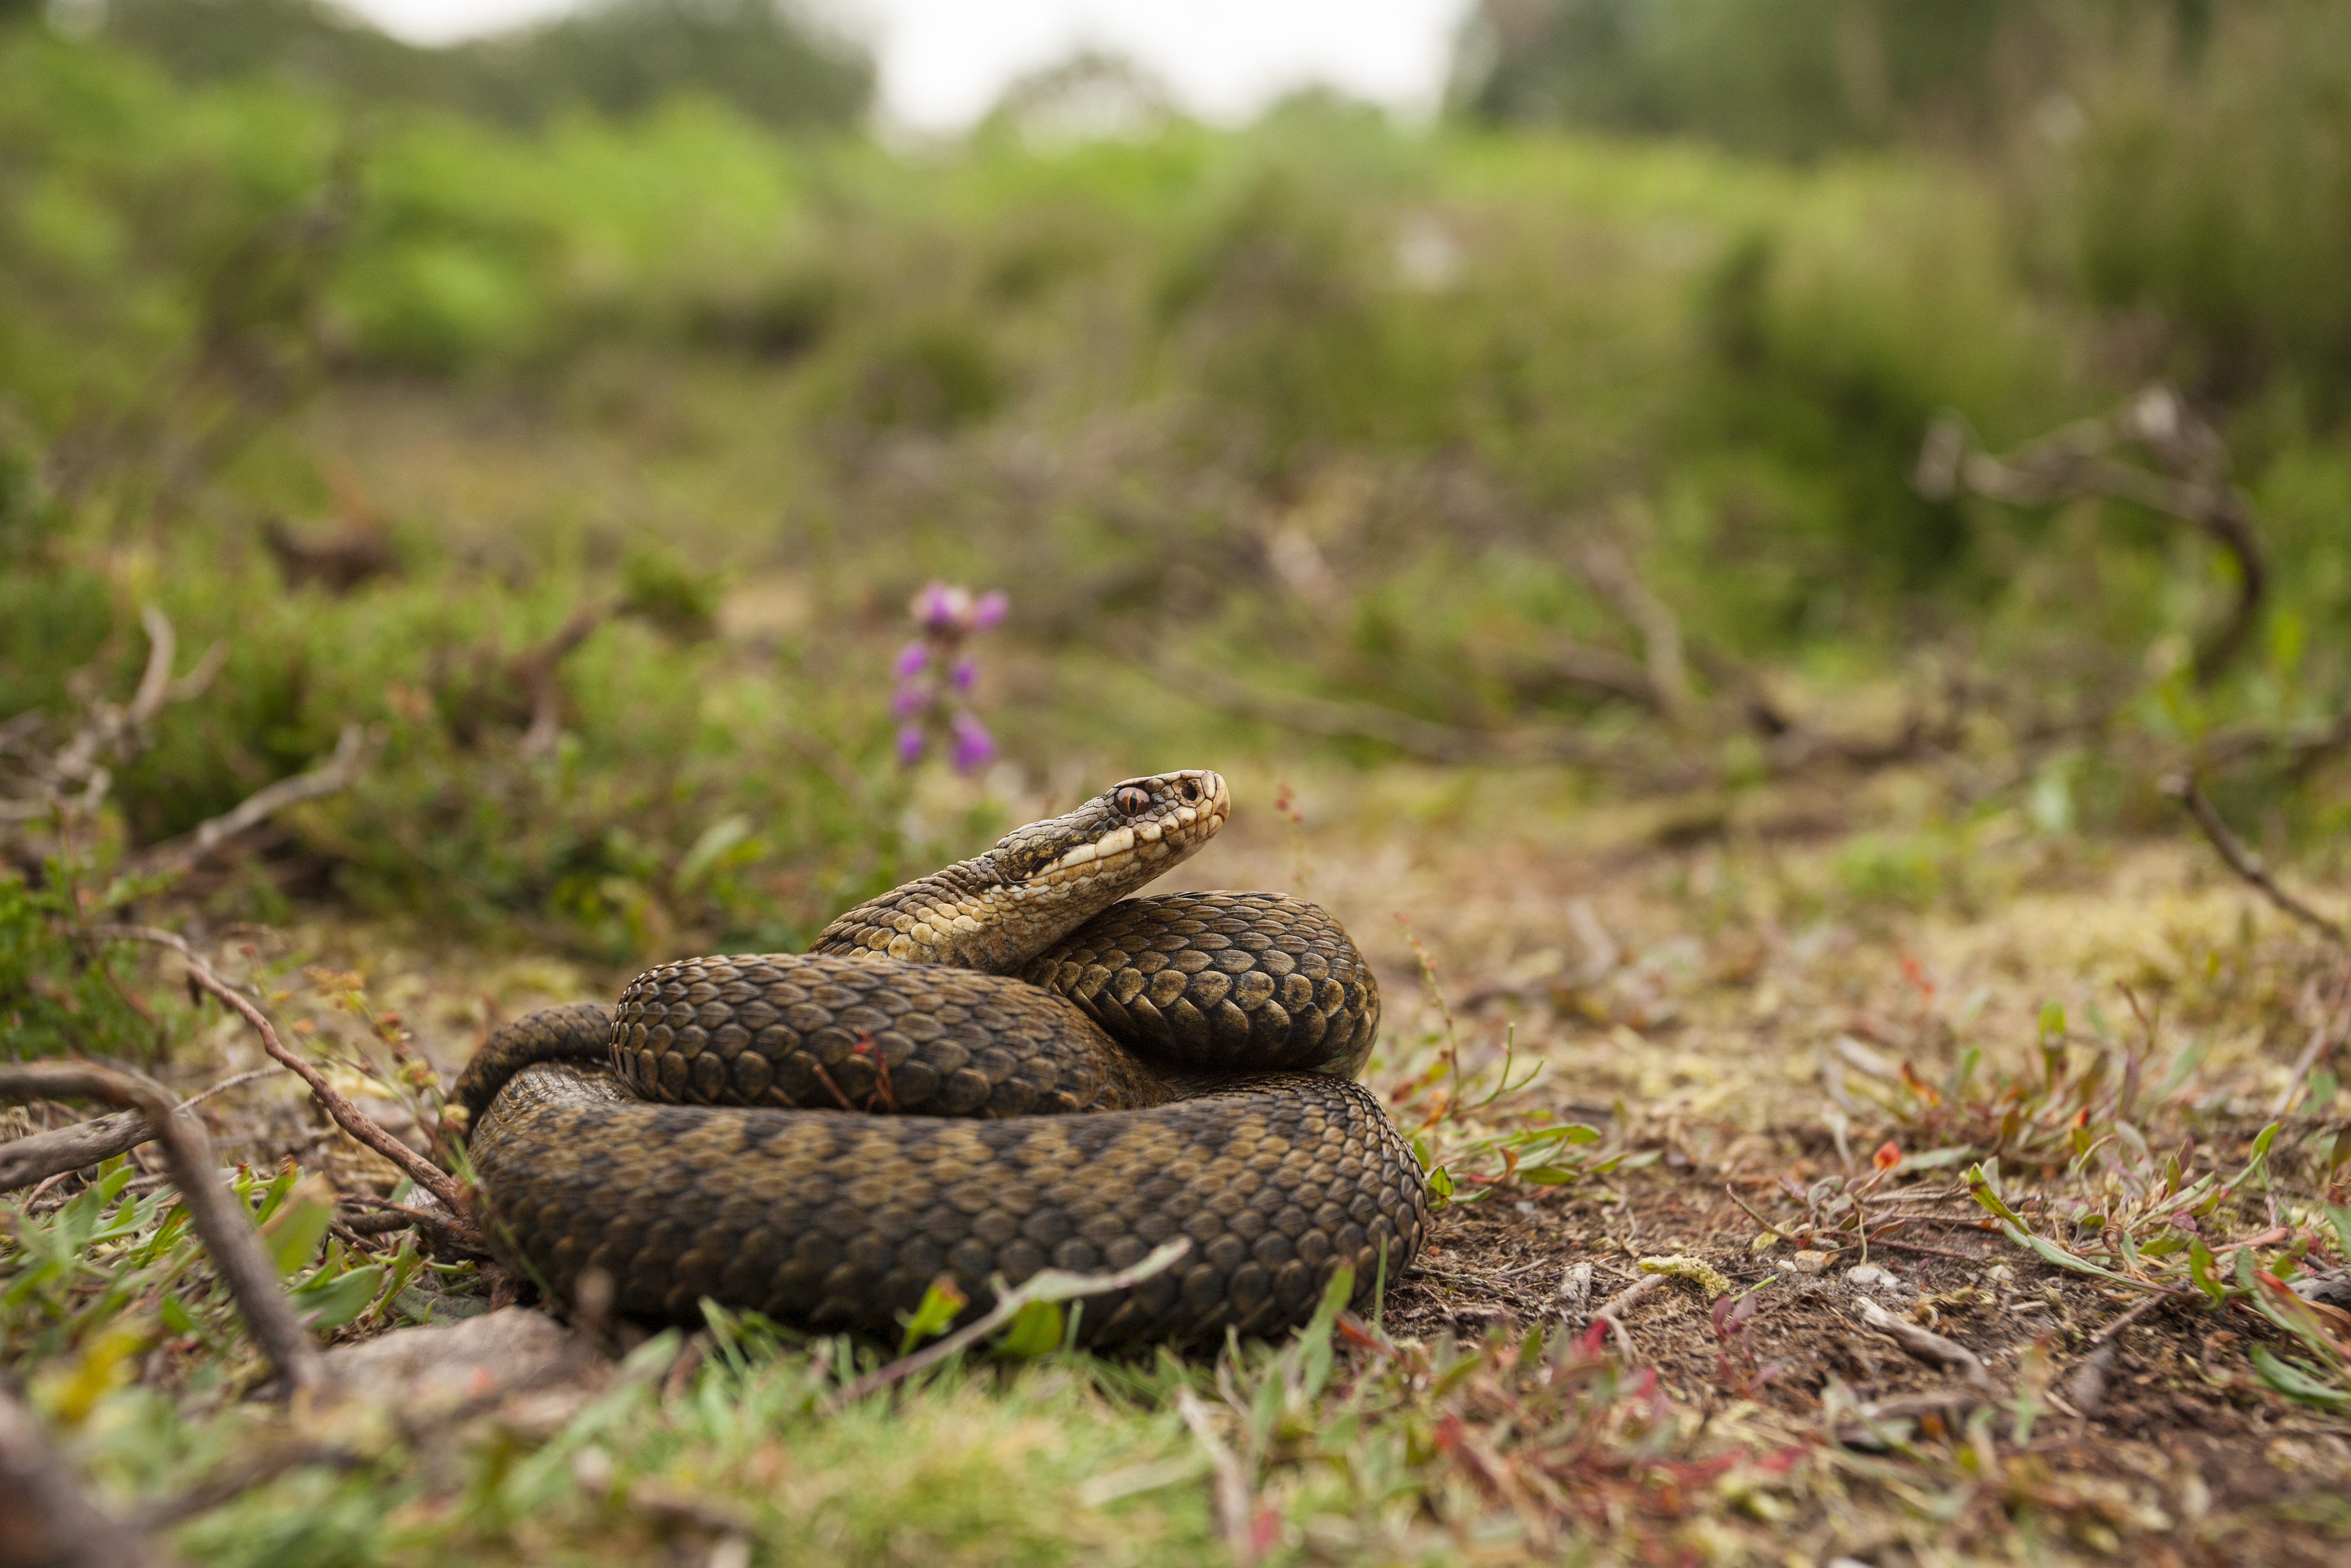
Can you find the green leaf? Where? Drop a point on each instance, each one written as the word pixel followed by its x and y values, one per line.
pixel 1440 1183
pixel 2341 1219
pixel 934 1316
pixel 2053 1018
pixel 274 1193
pixel 2051 1252
pixel 717 840
pixel 1933 1159
pixel 1980 1186
pixel 175 1315
pixel 2297 1382
pixel 329 1303
pixel 1314 1340
pixel 1551 1176
pixel 2201 1271
pixel 298 1236
pixel 1036 1331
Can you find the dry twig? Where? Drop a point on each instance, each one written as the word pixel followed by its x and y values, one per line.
pixel 1925 1346
pixel 2193 486
pixel 110 730
pixel 228 1233
pixel 329 776
pixel 2326 1033
pixel 347 1117
pixel 2183 787
pixel 1612 1310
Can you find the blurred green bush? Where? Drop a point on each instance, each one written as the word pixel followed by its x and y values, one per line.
pixel 1319 399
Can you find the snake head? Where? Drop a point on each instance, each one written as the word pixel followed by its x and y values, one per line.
pixel 997 911
pixel 1122 838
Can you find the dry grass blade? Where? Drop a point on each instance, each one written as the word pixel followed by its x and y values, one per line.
pixel 1232 1487
pixel 1047 1285
pixel 228 1236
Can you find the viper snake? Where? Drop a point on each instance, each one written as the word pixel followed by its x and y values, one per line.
pixel 1005 1066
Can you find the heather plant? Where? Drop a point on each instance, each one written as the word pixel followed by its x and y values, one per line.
pixel 936 674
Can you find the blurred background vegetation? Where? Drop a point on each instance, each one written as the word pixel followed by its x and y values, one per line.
pixel 578 408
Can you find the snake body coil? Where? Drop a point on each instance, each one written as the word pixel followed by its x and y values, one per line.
pixel 1075 1080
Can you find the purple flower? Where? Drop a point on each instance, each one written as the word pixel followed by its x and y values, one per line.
pixel 910 744
pixel 962 674
pixel 911 659
pixel 909 701
pixel 988 609
pixel 941 606
pixel 972 747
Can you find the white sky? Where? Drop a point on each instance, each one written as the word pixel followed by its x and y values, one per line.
pixel 945 61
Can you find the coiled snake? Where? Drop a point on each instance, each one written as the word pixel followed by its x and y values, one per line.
pixel 1209 1038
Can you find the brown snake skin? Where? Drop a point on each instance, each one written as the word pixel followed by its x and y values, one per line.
pixel 1076 1081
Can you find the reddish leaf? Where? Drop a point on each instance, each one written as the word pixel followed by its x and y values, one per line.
pixel 1888 1155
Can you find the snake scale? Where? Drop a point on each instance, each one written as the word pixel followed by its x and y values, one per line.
pixel 1058 1076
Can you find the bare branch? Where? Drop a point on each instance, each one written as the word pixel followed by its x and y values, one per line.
pixel 536 669
pixel 2326 1033
pixel 228 1232
pixel 2183 787
pixel 44 1154
pixel 2194 487
pixel 108 730
pixel 333 775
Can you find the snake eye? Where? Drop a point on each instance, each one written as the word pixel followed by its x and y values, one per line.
pixel 1132 800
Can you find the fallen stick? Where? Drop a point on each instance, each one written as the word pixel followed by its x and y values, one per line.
pixel 228 1232
pixel 44 1154
pixel 2325 1035
pixel 1611 1309
pixel 1925 1346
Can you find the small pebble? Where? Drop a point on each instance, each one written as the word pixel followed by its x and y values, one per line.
pixel 1870 1277
pixel 1808 1263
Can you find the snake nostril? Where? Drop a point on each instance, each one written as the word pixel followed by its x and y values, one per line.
pixel 1191 789
pixel 1132 800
